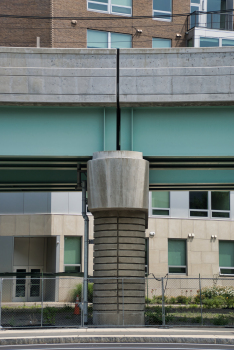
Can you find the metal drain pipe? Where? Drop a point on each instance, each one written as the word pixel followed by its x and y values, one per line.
pixel 86 251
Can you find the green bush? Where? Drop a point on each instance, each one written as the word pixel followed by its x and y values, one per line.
pixel 78 291
pixel 172 300
pixel 220 320
pixel 215 302
pixel 182 299
pixel 154 316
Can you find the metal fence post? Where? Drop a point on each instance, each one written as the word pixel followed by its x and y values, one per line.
pixel 163 306
pixel 1 279
pixel 200 299
pixel 123 299
pixel 147 291
pixel 42 297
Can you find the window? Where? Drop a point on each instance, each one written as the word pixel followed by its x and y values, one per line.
pixel 220 204
pixel 227 42
pixel 117 7
pixel 107 40
pixel 226 257
pixel 214 204
pixel 194 8
pixel 72 254
pixel 161 43
pixel 216 20
pixel 177 256
pixel 161 203
pixel 198 203
pixel 162 10
pixel 209 42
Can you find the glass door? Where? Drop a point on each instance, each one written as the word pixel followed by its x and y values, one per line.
pixel 34 287
pixel 27 288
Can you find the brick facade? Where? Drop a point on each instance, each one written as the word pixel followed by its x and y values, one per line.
pixel 67 35
pixel 22 32
pixel 60 32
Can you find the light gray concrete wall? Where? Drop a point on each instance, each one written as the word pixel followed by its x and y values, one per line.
pixel 183 75
pixel 57 75
pixel 88 76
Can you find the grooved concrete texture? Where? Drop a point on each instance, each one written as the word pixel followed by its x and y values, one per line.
pixel 117 192
pixel 176 76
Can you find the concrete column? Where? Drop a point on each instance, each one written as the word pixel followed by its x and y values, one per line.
pixel 118 187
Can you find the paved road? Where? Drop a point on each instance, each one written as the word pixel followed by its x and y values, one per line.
pixel 118 347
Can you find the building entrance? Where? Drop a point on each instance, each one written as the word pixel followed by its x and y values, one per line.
pixel 27 288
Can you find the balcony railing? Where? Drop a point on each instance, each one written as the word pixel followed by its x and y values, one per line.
pixel 221 20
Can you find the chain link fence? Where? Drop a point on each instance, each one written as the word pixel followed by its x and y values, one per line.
pixel 169 301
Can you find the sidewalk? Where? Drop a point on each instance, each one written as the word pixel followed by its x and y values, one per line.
pixel 119 335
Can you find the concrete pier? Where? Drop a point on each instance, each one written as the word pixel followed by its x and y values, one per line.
pixel 118 185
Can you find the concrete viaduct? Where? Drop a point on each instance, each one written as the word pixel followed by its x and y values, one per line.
pixel 60 108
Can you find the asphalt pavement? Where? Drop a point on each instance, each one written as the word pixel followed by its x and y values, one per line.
pixel 218 336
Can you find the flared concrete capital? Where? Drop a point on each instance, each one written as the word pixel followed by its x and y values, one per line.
pixel 118 180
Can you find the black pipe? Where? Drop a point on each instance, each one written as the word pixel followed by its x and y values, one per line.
pixel 118 112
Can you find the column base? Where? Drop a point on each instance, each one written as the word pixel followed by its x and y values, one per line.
pixel 111 318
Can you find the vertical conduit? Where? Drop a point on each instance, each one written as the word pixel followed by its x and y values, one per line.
pixel 118 115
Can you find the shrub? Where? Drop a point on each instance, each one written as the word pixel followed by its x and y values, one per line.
pixel 78 291
pixel 220 320
pixel 181 299
pixel 155 316
pixel 172 300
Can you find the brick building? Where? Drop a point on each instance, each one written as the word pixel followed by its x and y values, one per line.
pixel 117 23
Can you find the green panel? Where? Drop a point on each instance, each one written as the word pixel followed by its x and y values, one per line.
pixel 110 129
pixel 226 254
pixel 126 129
pixel 72 250
pixel 51 131
pixel 191 176
pixel 161 199
pixel 184 131
pixel 176 252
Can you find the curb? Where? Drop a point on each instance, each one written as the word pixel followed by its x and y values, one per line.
pixel 88 339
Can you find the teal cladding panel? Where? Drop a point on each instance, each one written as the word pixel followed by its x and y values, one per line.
pixel 126 129
pixel 184 131
pixel 54 131
pixel 191 176
pixel 110 129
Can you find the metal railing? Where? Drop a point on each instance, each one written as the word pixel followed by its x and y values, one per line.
pixel 164 301
pixel 221 20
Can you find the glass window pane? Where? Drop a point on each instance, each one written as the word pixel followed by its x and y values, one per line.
pixel 195 1
pixel 161 199
pixel 209 42
pixel 99 7
pixel 194 19
pixel 161 43
pixel 199 213
pixel 226 254
pixel 162 15
pixel 118 9
pixel 20 283
pixel 227 271
pixel 220 215
pixel 160 5
pixel 160 212
pixel 97 39
pixel 176 252
pixel 35 283
pixel 198 200
pixel 177 269
pixel 227 42
pixel 122 2
pixel 216 20
pixel 70 269
pixel 121 41
pixel 220 200
pixel 72 250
